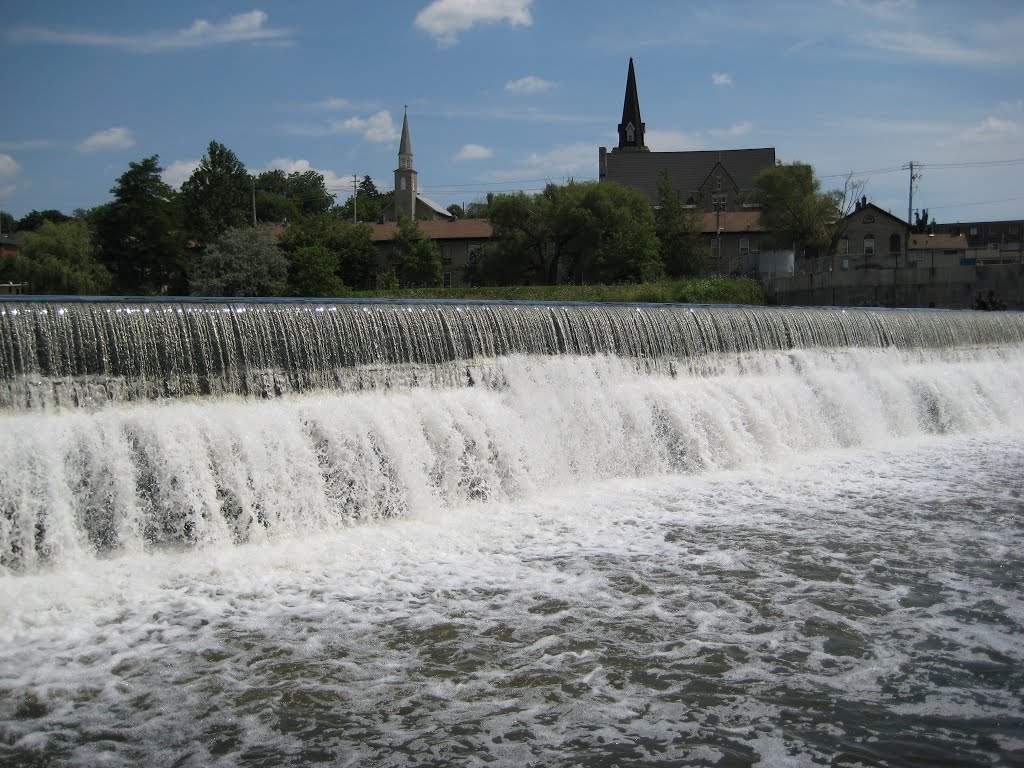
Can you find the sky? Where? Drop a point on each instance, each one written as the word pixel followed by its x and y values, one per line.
pixel 507 95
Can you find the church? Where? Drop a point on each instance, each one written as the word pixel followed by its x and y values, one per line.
pixel 408 201
pixel 720 180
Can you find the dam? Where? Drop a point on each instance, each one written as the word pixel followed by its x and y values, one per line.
pixel 297 532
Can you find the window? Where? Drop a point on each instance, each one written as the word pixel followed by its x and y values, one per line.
pixel 744 247
pixel 401 183
pixel 869 245
pixel 447 279
pixel 446 254
pixel 844 245
pixel 974 231
pixel 894 244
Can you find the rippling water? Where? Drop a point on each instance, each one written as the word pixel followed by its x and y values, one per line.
pixel 835 584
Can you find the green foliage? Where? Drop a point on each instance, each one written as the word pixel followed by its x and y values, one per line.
pixel 218 194
pixel 33 220
pixel 795 210
pixel 60 259
pixel 312 271
pixel 353 252
pixel 456 210
pixel 7 223
pixel 598 232
pixel 679 230
pixel 243 261
pixel 417 260
pixel 703 290
pixel 139 233
pixel 368 205
pixel 286 197
pixel 387 281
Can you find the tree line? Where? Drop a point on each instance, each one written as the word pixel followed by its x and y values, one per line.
pixel 208 240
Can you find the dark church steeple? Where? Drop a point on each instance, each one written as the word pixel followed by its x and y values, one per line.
pixel 631 129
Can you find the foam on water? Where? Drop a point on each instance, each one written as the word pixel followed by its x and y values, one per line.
pixel 774 557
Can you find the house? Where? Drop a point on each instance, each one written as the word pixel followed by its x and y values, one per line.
pixel 735 240
pixel 989 242
pixel 10 245
pixel 872 238
pixel 457 241
pixel 936 250
pixel 408 201
pixel 709 180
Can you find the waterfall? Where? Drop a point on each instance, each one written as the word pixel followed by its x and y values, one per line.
pixel 68 352
pixel 206 453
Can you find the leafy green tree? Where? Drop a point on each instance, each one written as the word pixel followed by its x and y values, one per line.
pixel 796 210
pixel 7 223
pixel 34 219
pixel 457 211
pixel 679 233
pixel 417 259
pixel 139 232
pixel 243 261
pixel 313 271
pixel 60 259
pixel 368 205
pixel 286 197
pixel 218 194
pixel 355 255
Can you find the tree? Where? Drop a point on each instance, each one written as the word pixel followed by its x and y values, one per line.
pixel 418 262
pixel 795 210
pixel 7 223
pixel 457 211
pixel 354 254
pixel 34 219
pixel 218 194
pixel 60 259
pixel 139 233
pixel 313 271
pixel 243 261
pixel 369 203
pixel 679 233
pixel 286 197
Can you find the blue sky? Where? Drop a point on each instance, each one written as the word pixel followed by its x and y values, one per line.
pixel 509 94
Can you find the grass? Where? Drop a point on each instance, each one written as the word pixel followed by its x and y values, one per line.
pixel 700 290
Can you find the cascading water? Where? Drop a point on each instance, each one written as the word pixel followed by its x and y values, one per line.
pixel 282 533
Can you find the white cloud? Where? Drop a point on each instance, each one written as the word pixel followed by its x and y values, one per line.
pixel 23 145
pixel 888 10
pixel 110 139
pixel 378 127
pixel 330 104
pixel 445 19
pixel 991 128
pixel 243 27
pixel 576 160
pixel 721 78
pixel 529 84
pixel 178 172
pixel 937 48
pixel 734 130
pixel 673 141
pixel 474 152
pixel 340 185
pixel 9 169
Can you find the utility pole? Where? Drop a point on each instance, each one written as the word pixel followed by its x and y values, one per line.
pixel 355 199
pixel 254 202
pixel 910 204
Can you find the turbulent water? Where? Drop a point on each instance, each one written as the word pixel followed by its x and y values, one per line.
pixel 780 557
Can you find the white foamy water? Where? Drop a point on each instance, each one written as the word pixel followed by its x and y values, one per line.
pixel 780 558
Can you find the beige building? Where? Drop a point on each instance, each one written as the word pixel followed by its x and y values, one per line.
pixel 873 239
pixel 457 241
pixel 735 241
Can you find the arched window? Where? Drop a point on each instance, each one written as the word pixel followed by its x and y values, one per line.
pixel 894 244
pixel 869 245
pixel 402 183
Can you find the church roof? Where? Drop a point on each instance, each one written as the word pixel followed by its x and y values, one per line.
pixel 686 170
pixel 405 147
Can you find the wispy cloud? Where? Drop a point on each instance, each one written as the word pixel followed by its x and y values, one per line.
pixel 378 127
pixel 990 129
pixel 332 180
pixel 734 130
pixel 673 141
pixel 529 84
pixel 886 10
pixel 244 27
pixel 19 146
pixel 474 152
pixel 111 139
pixel 577 160
pixel 444 20
pixel 721 78
pixel 330 104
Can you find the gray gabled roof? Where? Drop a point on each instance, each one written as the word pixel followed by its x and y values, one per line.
pixel 686 170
